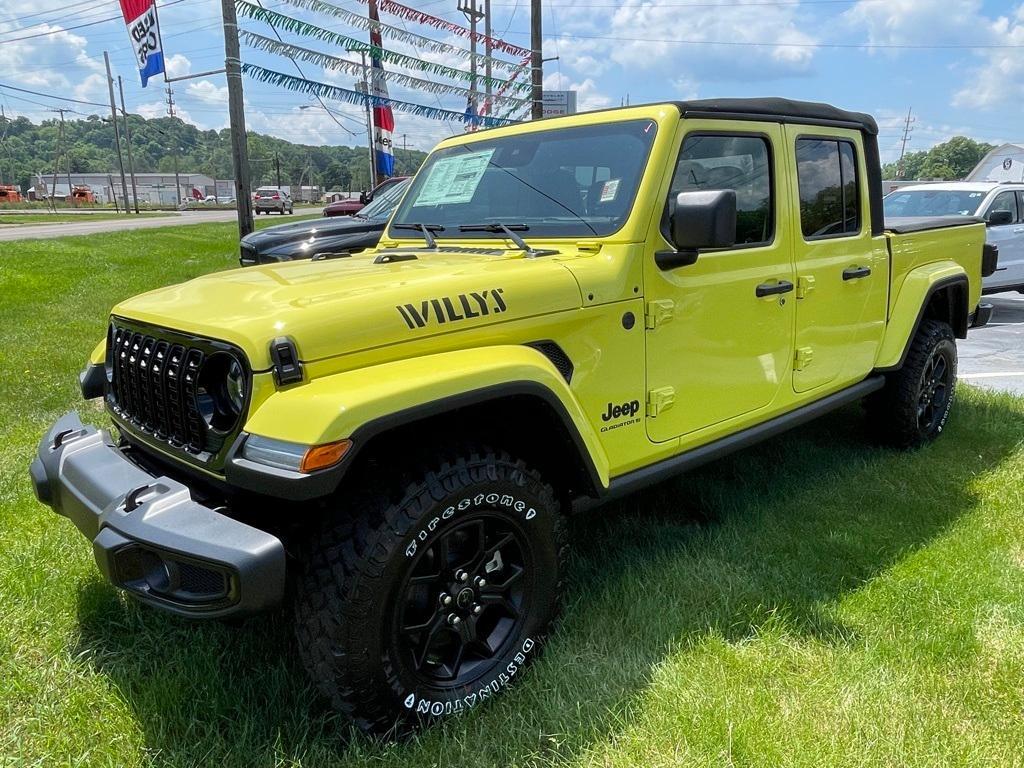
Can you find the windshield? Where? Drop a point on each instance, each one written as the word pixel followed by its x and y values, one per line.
pixel 928 202
pixel 384 202
pixel 566 182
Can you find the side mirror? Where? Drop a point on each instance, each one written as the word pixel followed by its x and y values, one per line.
pixel 700 220
pixel 1000 218
pixel 363 197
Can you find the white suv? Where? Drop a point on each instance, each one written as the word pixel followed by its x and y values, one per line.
pixel 269 199
pixel 1001 205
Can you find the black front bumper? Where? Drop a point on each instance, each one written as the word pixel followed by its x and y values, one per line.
pixel 150 537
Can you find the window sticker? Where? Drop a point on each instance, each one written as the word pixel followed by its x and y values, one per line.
pixel 454 180
pixel 609 190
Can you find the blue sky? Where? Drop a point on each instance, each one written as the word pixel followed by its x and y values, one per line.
pixel 879 56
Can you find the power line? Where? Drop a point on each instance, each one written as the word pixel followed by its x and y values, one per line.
pixel 19 19
pixel 302 74
pixel 89 14
pixel 74 27
pixel 52 96
pixel 778 44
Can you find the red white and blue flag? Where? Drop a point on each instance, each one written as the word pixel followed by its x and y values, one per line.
pixel 144 30
pixel 383 117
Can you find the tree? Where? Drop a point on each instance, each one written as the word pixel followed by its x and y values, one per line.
pixel 29 149
pixel 950 161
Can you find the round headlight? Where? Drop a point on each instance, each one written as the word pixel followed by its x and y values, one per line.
pixel 221 392
pixel 236 386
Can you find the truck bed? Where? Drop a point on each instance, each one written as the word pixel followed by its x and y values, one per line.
pixel 905 225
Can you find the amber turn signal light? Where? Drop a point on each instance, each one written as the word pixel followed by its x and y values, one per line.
pixel 324 456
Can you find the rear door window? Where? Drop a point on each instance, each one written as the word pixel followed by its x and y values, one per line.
pixel 829 188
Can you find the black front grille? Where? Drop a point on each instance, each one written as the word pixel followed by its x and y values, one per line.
pixel 155 386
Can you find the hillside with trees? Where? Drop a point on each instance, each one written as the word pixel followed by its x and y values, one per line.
pixel 27 149
pixel 950 161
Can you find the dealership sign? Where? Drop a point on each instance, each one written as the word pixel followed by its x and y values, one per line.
pixel 144 30
pixel 559 103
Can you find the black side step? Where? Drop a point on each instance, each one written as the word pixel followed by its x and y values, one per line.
pixel 663 470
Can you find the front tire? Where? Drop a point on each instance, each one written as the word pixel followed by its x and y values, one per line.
pixel 915 404
pixel 407 613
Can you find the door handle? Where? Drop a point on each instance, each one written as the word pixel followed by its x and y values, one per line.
pixel 856 273
pixel 1018 231
pixel 773 289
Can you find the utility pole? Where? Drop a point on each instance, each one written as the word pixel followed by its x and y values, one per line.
pixel 128 142
pixel 56 164
pixel 536 61
pixel 236 118
pixel 67 155
pixel 117 133
pixel 113 193
pixel 908 128
pixel 473 15
pixel 488 49
pixel 277 168
pixel 3 141
pixel 173 148
pixel 364 87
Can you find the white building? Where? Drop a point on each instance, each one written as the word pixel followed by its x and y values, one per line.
pixel 152 188
pixel 1005 163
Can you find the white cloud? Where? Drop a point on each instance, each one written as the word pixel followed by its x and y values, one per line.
pixel 999 80
pixel 915 22
pixel 178 65
pixel 208 93
pixel 640 36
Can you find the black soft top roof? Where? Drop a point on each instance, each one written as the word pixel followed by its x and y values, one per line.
pixel 780 110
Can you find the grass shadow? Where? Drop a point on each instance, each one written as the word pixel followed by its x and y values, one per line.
pixel 773 536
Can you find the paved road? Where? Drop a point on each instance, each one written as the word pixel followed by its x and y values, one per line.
pixel 85 227
pixel 993 356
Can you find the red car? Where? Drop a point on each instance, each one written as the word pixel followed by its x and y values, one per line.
pixel 353 205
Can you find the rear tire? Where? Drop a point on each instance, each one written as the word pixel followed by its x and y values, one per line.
pixel 915 404
pixel 407 613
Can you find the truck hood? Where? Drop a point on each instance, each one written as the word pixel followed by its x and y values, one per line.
pixel 307 238
pixel 345 305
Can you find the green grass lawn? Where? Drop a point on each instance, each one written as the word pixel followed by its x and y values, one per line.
pixel 64 218
pixel 812 602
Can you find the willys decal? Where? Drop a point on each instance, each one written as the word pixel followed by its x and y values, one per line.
pixel 451 309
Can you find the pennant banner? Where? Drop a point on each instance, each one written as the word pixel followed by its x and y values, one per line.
pixel 327 91
pixel 369 25
pixel 280 21
pixel 411 14
pixel 144 30
pixel 356 69
pixel 500 94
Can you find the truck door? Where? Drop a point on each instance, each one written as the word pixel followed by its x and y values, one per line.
pixel 1009 238
pixel 720 331
pixel 842 271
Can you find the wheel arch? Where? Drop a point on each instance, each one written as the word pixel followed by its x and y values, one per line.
pixel 925 295
pixel 508 397
pixel 522 417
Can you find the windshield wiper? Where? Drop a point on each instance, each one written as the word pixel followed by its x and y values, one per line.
pixel 424 229
pixel 509 230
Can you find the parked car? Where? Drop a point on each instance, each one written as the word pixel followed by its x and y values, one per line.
pixel 563 312
pixel 269 199
pixel 340 235
pixel 356 204
pixel 1001 205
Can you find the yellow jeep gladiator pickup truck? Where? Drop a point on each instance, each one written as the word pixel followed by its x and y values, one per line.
pixel 559 312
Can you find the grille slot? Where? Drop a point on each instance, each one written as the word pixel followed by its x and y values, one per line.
pixel 155 387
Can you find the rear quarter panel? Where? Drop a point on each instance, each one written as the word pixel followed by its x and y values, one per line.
pixel 960 245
